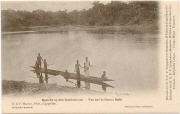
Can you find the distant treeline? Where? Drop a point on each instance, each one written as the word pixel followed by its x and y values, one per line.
pixel 114 13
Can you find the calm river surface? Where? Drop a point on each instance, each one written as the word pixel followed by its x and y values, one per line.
pixel 131 60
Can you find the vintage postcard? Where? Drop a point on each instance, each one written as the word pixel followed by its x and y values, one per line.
pixel 90 56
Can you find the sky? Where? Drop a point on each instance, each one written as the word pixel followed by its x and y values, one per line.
pixel 48 5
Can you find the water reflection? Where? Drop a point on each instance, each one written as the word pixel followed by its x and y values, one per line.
pixel 131 60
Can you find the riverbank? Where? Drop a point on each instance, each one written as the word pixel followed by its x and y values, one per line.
pixel 22 88
pixel 134 29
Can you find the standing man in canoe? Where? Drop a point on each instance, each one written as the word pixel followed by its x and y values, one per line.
pixel 87 65
pixel 37 67
pixel 39 58
pixel 45 68
pixel 77 70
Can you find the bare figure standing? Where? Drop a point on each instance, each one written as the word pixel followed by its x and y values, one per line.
pixel 77 70
pixel 37 67
pixel 87 65
pixel 39 59
pixel 45 68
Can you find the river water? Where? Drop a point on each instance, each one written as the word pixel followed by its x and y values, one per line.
pixel 130 59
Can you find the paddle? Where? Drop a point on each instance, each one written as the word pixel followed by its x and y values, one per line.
pixel 86 69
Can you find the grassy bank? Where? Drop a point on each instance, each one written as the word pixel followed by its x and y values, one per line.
pixel 133 29
pixel 140 29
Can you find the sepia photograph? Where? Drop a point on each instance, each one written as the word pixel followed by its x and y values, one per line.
pixel 79 48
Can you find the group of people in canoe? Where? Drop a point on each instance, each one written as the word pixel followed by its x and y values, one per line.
pixel 86 67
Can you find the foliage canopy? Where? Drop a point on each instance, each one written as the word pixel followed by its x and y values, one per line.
pixel 114 13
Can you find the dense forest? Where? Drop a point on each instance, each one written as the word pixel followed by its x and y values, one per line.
pixel 114 13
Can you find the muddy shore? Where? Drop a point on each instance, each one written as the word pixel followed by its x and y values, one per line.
pixel 22 88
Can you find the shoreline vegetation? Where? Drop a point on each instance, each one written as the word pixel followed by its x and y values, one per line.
pixel 137 17
pixel 135 29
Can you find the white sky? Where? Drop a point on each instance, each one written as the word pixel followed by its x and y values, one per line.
pixel 48 5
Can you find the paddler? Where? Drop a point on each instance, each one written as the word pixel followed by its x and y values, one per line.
pixel 37 67
pixel 104 75
pixel 45 68
pixel 77 70
pixel 39 59
pixel 87 65
pixel 66 76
